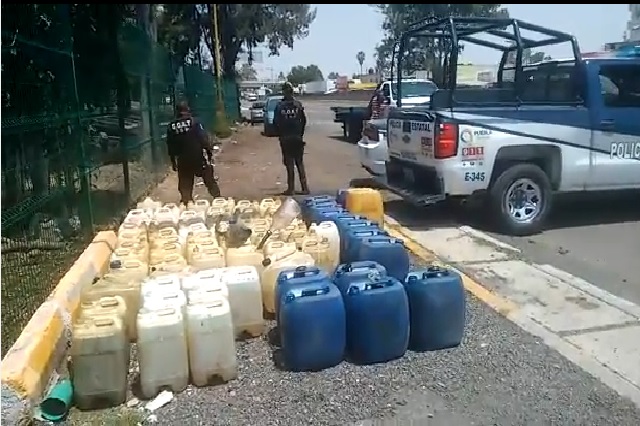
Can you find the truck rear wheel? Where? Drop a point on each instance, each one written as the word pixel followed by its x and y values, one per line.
pixel 520 199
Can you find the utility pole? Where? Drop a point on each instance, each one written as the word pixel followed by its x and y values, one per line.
pixel 216 48
pixel 221 126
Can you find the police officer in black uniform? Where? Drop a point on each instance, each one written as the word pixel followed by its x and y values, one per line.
pixel 289 122
pixel 191 153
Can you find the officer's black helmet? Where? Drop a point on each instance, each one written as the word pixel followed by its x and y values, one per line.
pixel 183 108
pixel 287 88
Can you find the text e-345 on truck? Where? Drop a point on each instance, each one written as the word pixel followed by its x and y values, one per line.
pixel 541 129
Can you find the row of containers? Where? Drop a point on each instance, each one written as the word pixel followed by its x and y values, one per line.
pixel 338 286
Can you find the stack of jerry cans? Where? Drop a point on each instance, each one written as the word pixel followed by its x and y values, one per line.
pixel 437 308
pixel 354 238
pixel 377 313
pixel 312 327
pixel 343 229
pixel 387 251
pixel 348 273
pixel 313 206
pixel 291 278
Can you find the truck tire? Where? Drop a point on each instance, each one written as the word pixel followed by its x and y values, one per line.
pixel 517 186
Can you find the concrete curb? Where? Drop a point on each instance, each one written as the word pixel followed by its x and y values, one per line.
pixel 27 366
pixel 496 302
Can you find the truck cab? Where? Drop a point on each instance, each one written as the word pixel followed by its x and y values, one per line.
pixel 415 92
pixel 542 129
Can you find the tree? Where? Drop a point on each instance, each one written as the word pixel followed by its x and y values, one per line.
pixel 360 57
pixel 245 26
pixel 301 74
pixel 333 75
pixel 281 76
pixel 421 54
pixel 247 73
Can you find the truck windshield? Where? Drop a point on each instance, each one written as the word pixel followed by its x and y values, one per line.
pixel 413 89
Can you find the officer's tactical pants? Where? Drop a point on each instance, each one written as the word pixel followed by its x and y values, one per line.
pixel 186 177
pixel 292 158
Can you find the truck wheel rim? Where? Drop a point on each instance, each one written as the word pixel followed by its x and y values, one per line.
pixel 523 200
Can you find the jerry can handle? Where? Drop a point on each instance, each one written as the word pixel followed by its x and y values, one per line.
pixel 374 285
pixel 291 295
pixel 316 292
pixel 435 271
pixel 302 271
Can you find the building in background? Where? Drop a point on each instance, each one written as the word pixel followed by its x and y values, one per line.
pixel 632 33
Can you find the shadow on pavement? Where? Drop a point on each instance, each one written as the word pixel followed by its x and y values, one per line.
pixel 340 138
pixel 569 212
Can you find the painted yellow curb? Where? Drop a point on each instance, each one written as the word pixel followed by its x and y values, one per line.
pixel 498 303
pixel 28 364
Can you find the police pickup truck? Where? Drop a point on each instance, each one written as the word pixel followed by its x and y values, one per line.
pixel 541 129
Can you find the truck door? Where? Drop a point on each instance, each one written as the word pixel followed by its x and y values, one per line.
pixel 615 102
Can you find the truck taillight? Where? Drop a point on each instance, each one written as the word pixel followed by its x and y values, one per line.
pixel 370 133
pixel 446 143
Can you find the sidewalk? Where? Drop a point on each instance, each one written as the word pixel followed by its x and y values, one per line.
pixel 501 375
pixel 593 328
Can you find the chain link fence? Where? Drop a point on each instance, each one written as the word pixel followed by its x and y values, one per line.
pixel 84 115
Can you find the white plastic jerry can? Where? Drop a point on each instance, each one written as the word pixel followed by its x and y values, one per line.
pixel 211 340
pixel 245 299
pixel 162 351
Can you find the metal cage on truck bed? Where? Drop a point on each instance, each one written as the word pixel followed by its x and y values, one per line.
pixel 454 30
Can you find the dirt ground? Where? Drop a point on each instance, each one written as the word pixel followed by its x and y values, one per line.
pixel 250 166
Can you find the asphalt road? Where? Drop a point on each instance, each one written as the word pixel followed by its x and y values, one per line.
pixel 597 240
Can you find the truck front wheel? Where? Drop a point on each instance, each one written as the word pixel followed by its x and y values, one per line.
pixel 520 199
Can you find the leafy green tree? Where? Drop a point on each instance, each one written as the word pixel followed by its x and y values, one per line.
pixel 423 53
pixel 301 74
pixel 333 75
pixel 243 27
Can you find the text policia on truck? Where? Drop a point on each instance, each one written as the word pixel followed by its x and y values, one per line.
pixel 625 150
pixel 540 130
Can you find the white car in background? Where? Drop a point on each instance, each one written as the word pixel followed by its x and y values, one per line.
pixel 374 152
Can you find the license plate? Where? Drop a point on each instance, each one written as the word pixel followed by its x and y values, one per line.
pixel 408 175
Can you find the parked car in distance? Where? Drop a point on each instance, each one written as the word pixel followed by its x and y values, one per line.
pixel 256 112
pixel 269 112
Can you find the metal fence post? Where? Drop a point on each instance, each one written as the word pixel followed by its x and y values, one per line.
pixel 85 209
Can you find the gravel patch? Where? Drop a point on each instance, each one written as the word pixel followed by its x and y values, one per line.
pixel 500 375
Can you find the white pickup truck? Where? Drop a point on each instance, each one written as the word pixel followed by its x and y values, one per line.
pixel 554 127
pixel 415 92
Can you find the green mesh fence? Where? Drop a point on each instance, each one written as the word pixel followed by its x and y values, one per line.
pixel 200 90
pixel 83 137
